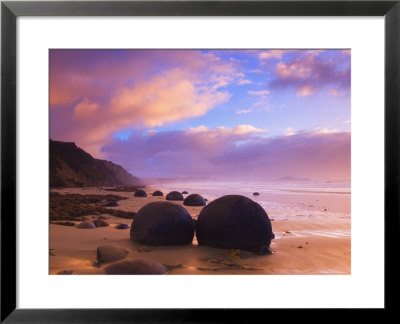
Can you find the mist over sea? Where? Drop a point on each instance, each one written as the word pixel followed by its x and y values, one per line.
pixel 281 200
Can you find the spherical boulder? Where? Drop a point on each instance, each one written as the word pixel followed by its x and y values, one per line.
pixel 174 195
pixel 140 193
pixel 234 222
pixel 162 223
pixel 110 253
pixel 136 266
pixel 86 225
pixel 157 193
pixel 194 200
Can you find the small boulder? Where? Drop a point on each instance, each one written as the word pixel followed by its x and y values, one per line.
pixel 194 200
pixel 136 266
pixel 100 223
pixel 65 272
pixel 93 200
pixel 162 223
pixel 256 193
pixel 111 204
pixel 234 222
pixel 86 225
pixel 110 253
pixel 184 192
pixel 122 226
pixel 174 195
pixel 157 193
pixel 140 193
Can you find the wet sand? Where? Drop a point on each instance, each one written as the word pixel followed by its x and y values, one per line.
pixel 303 245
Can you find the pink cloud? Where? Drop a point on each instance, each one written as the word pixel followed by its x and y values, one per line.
pixel 97 93
pixel 307 72
pixel 242 153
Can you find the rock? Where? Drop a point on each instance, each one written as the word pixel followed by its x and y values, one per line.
pixel 140 193
pixel 194 200
pixel 265 250
pixel 256 193
pixel 86 225
pixel 174 195
pixel 136 266
pixel 234 222
pixel 102 217
pixel 93 200
pixel 162 223
pixel 157 193
pixel 65 272
pixel 110 253
pixel 184 192
pixel 100 223
pixel 122 226
pixel 111 204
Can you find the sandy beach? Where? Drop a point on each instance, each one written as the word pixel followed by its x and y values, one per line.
pixel 313 239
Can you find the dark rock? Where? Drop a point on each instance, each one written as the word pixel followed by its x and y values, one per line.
pixel 174 195
pixel 86 225
pixel 234 222
pixel 100 223
pixel 110 253
pixel 162 223
pixel 157 193
pixel 256 193
pixel 136 266
pixel 94 200
pixel 194 200
pixel 140 193
pixel 122 226
pixel 111 204
pixel 65 272
pixel 265 250
pixel 102 217
pixel 184 192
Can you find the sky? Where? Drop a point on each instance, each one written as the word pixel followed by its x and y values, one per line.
pixel 223 114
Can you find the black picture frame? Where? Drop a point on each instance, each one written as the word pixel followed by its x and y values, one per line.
pixel 10 10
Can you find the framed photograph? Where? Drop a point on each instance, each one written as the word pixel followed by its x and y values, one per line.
pixel 163 158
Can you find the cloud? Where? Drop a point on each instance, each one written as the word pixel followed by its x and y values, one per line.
pixel 95 93
pixel 272 54
pixel 242 152
pixel 244 81
pixel 258 93
pixel 307 72
pixel 243 111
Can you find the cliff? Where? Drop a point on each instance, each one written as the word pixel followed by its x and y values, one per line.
pixel 70 166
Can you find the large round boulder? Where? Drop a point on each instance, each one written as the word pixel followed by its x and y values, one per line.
pixel 174 195
pixel 158 193
pixel 140 193
pixel 136 266
pixel 194 200
pixel 234 222
pixel 162 223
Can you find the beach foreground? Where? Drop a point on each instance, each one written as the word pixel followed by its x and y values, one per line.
pixel 307 244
